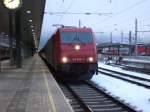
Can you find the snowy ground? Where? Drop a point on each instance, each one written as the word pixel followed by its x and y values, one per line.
pixel 135 95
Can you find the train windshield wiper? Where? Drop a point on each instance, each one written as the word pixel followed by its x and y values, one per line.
pixel 75 39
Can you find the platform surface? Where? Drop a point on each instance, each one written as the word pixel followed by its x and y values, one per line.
pixel 31 89
pixel 137 61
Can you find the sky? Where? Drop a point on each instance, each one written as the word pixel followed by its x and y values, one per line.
pixel 123 90
pixel 116 16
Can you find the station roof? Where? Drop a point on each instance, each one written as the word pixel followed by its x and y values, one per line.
pixel 31 14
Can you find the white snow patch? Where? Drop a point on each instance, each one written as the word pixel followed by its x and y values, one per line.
pixel 135 95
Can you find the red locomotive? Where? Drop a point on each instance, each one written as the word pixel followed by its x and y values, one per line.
pixel 72 52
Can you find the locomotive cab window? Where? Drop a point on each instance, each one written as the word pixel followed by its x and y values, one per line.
pixel 73 37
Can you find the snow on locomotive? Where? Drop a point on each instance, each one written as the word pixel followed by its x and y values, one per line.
pixel 72 53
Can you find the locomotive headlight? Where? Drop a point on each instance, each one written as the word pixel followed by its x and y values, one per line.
pixel 77 47
pixel 64 60
pixel 90 59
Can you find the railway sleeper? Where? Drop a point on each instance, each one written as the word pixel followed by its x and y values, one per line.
pixel 103 105
pixel 88 95
pixel 84 92
pixel 79 110
pixel 99 100
pixel 98 103
pixel 94 97
pixel 116 109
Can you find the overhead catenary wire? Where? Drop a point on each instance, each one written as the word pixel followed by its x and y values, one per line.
pixel 139 22
pixel 70 5
pixel 79 13
pixel 131 7
pixel 126 9
pixel 63 13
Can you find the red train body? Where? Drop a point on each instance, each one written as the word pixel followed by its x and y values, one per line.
pixel 72 52
pixel 142 51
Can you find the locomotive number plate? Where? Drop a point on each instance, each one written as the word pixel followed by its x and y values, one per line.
pixel 78 59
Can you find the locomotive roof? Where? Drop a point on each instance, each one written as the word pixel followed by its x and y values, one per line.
pixel 75 29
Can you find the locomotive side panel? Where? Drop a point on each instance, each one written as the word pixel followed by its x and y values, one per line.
pixel 57 48
pixel 49 51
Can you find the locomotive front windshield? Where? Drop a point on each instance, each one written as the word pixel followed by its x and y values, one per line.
pixel 74 37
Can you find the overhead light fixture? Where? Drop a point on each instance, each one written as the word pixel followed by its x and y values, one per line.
pixel 2 33
pixel 30 20
pixel 28 12
pixel 31 26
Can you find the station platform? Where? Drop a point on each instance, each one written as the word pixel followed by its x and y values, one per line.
pixel 144 63
pixel 31 88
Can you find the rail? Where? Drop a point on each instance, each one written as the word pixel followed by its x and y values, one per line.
pixel 138 69
pixel 105 72
pixel 125 74
pixel 94 99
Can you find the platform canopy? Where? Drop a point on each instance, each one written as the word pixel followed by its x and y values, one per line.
pixel 31 17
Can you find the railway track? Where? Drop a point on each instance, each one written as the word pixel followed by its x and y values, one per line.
pixel 138 69
pixel 86 97
pixel 132 68
pixel 126 77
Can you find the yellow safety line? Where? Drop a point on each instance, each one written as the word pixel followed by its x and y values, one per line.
pixel 49 93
